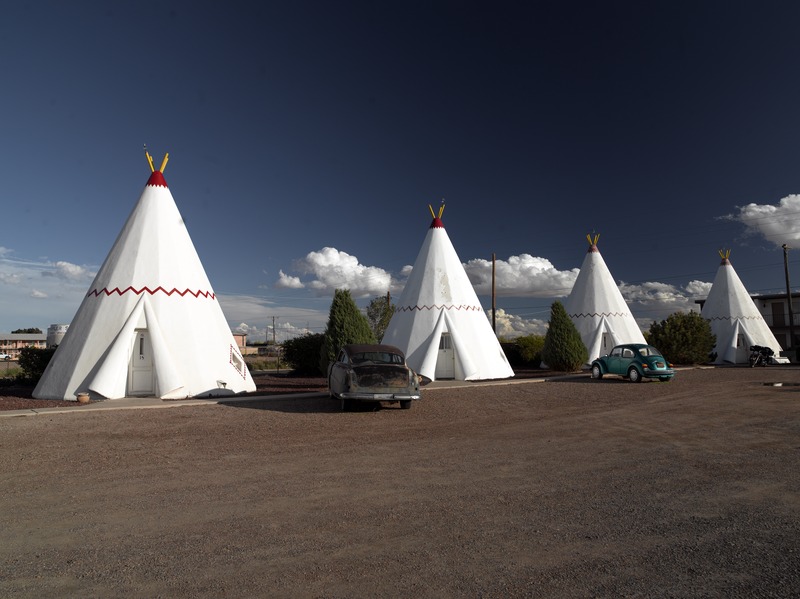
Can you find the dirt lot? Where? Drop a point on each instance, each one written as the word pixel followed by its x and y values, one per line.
pixel 575 488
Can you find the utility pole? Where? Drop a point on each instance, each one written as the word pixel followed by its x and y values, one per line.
pixel 494 305
pixel 275 348
pixel 786 249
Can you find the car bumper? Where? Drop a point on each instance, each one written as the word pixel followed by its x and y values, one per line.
pixel 658 374
pixel 364 396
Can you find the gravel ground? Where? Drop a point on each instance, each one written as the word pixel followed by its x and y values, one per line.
pixel 566 488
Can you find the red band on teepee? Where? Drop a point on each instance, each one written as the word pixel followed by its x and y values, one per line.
pixel 437 223
pixel 157 179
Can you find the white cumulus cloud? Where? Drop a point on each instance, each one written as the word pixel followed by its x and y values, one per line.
pixel 288 282
pixel 777 223
pixel 511 325
pixel 522 275
pixel 333 269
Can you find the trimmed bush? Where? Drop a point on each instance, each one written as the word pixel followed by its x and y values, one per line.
pixel 563 348
pixel 346 324
pixel 33 362
pixel 302 354
pixel 524 351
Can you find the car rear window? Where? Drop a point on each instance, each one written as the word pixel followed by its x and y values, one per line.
pixel 377 358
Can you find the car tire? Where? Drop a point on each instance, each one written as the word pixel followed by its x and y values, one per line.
pixel 596 372
pixel 405 404
pixel 634 375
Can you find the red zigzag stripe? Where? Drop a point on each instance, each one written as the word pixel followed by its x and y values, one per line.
pixel 197 294
pixel 736 318
pixel 443 307
pixel 592 314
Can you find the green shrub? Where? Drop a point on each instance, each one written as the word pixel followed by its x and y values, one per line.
pixel 302 354
pixel 524 351
pixel 563 348
pixel 683 338
pixel 33 361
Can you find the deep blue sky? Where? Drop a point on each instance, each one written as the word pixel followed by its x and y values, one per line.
pixel 298 126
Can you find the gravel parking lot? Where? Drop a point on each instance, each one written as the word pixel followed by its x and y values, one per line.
pixel 565 488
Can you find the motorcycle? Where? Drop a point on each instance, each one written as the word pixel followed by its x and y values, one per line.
pixel 760 356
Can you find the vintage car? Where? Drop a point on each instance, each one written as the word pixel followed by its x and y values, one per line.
pixel 634 361
pixel 372 373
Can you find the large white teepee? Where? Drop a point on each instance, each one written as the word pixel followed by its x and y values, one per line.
pixel 439 322
pixel 597 308
pixel 734 317
pixel 150 324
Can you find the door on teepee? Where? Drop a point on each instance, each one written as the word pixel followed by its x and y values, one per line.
pixel 446 362
pixel 140 372
pixel 742 349
pixel 606 345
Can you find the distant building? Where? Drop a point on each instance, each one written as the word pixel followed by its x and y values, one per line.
pixel 13 343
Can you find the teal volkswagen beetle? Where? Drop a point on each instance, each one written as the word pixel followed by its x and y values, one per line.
pixel 634 361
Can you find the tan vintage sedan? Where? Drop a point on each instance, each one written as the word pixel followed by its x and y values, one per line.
pixel 372 373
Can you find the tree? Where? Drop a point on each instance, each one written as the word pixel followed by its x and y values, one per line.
pixel 379 312
pixel 683 338
pixel 31 331
pixel 302 353
pixel 346 324
pixel 563 348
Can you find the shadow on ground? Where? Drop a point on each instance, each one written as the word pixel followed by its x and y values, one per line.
pixel 309 405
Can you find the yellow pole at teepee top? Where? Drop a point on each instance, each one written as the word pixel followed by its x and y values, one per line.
pixel 433 214
pixel 150 160
pixel 592 241
pixel 164 164
pixel 441 209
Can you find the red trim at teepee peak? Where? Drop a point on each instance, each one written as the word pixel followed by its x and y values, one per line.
pixel 592 248
pixel 437 223
pixel 157 179
pixel 725 262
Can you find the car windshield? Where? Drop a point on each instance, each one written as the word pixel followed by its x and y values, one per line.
pixel 649 350
pixel 377 358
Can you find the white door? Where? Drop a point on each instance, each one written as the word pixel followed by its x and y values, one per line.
pixel 446 362
pixel 606 346
pixel 140 374
pixel 742 350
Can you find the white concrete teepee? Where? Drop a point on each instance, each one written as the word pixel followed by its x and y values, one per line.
pixel 597 308
pixel 150 324
pixel 439 322
pixel 734 317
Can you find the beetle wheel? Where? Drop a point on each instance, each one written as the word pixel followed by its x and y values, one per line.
pixel 634 375
pixel 596 372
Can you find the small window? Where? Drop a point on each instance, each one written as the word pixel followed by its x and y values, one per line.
pixel 444 341
pixel 617 351
pixel 627 353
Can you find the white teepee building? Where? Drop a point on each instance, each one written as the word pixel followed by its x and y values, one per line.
pixel 597 308
pixel 734 317
pixel 150 324
pixel 439 322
